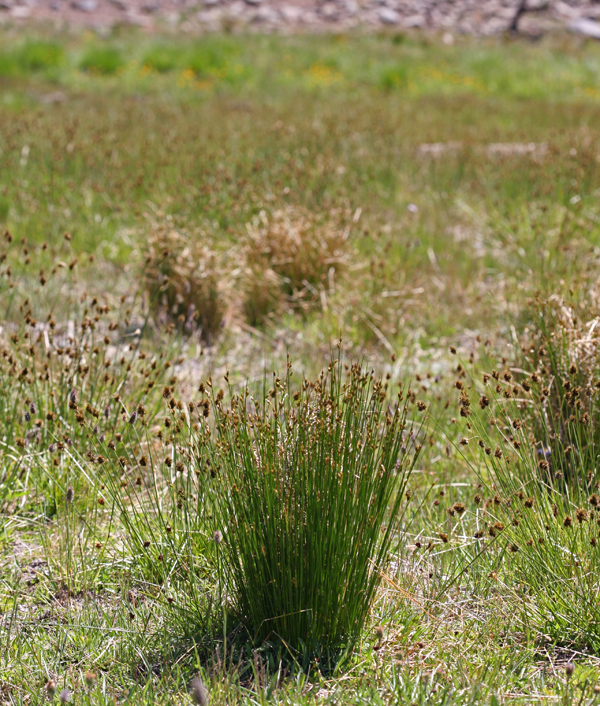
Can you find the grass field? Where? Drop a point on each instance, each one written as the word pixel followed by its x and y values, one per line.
pixel 183 215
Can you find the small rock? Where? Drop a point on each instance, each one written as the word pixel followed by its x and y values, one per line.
pixel 588 28
pixel 255 3
pixel 211 3
pixel 20 13
pixel 564 10
pixel 84 5
pixel 5 5
pixel 414 22
pixel 237 8
pixel 352 7
pixel 388 16
pixel 308 18
pixel 120 5
pixel 266 14
pixel 291 13
pixel 54 97
pixel 132 18
pixel 448 39
pixel 150 7
pixel 209 16
pixel 329 11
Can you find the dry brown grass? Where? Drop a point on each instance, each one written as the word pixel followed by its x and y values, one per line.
pixel 287 262
pixel 261 295
pixel 186 280
pixel 303 249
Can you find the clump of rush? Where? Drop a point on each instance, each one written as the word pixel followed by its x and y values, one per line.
pixel 308 490
pixel 535 424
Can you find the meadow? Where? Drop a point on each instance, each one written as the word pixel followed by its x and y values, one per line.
pixel 299 365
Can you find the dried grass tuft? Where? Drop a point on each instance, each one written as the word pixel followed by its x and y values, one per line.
pixel 186 280
pixel 302 248
pixel 262 296
pixel 286 263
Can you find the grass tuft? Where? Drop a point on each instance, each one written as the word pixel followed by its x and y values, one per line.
pixel 536 445
pixel 185 282
pixel 102 60
pixel 162 58
pixel 36 56
pixel 305 250
pixel 309 495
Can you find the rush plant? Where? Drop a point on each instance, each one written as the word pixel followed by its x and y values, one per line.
pixel 542 513
pixel 309 497
pixel 561 349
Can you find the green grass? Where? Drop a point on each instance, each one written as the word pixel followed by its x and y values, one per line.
pixel 39 56
pixel 232 201
pixel 104 61
pixel 288 471
pixel 483 217
pixel 32 56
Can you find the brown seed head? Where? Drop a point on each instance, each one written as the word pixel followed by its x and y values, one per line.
pixel 581 515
